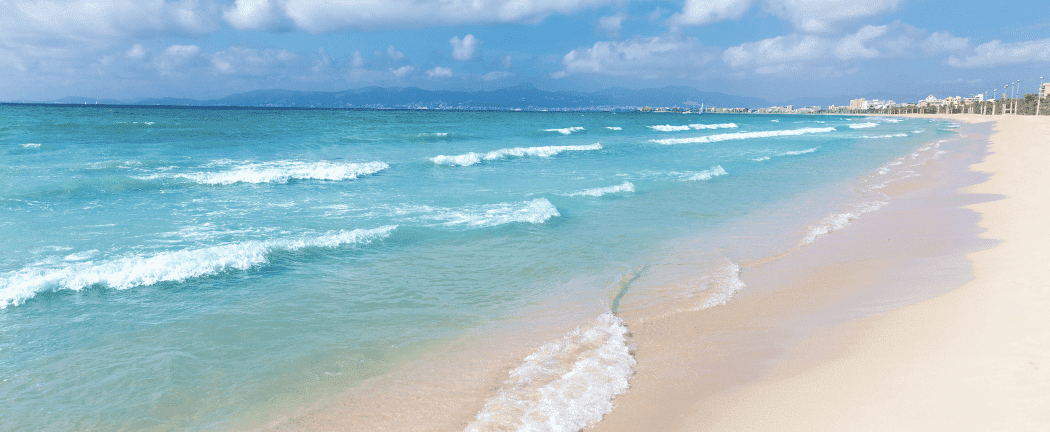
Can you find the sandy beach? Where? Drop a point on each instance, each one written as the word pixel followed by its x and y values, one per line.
pixel 844 343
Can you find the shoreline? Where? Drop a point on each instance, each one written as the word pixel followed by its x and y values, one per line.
pixel 969 357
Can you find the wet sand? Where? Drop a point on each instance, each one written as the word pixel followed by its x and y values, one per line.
pixel 932 313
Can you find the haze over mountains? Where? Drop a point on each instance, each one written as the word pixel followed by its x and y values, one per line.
pixel 518 97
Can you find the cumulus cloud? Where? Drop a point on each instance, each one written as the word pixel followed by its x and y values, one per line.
pixel 177 58
pixel 701 12
pixel 612 24
pixel 809 16
pixel 464 49
pixel 647 58
pixel 796 51
pixel 402 71
pixel 250 61
pixel 392 53
pixel 318 16
pixel 439 72
pixel 997 52
pixel 136 52
pixel 356 60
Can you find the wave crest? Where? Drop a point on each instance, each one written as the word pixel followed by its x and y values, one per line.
pixel 740 136
pixel 280 172
pixel 836 222
pixel 173 266
pixel 565 131
pixel 597 192
pixel 468 159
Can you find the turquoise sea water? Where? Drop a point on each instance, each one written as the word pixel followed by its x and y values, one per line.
pixel 193 268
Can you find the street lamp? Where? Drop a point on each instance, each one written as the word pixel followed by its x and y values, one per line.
pixel 1039 97
pixel 1004 97
pixel 1017 93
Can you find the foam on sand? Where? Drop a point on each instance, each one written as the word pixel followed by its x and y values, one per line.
pixel 741 136
pixel 836 222
pixel 597 192
pixel 280 172
pixel 565 131
pixel 566 385
pixel 468 159
pixel 173 266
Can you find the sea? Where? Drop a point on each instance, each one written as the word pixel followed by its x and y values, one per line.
pixel 217 269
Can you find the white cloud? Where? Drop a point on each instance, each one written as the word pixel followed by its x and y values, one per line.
pixel 795 52
pixel 356 60
pixel 105 20
pixel 437 72
pixel 402 71
pixel 507 62
pixel 394 54
pixel 176 59
pixel 496 75
pixel 652 57
pixel 701 12
pixel 136 52
pixel 249 61
pixel 818 16
pixel 464 49
pixel 996 53
pixel 318 16
pixel 809 16
pixel 612 24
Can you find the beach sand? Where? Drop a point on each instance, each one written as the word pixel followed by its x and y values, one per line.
pixel 912 318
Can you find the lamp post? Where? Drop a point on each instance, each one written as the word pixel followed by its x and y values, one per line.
pixel 1039 97
pixel 1017 93
pixel 1004 97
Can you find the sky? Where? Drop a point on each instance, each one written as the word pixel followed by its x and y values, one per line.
pixel 779 50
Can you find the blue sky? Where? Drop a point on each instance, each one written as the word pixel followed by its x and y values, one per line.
pixel 775 49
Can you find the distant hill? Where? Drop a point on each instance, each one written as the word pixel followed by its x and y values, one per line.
pixel 518 97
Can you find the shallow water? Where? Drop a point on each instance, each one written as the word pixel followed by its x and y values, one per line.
pixel 199 269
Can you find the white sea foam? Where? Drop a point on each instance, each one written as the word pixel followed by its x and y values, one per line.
pixel 787 153
pixel 566 385
pixel 31 145
pixel 715 287
pixel 614 128
pixel 863 125
pixel 468 159
pixel 565 131
pixel 918 131
pixel 536 211
pixel 280 172
pixel 597 192
pixel 836 222
pixel 741 135
pixel 672 128
pixel 173 266
pixel 715 171
pixel 896 135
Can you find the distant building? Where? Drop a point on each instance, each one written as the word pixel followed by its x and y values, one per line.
pixel 1045 91
pixel 858 104
pixel 930 101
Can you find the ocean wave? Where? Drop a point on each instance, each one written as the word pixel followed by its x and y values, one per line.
pixel 175 266
pixel 31 145
pixel 565 131
pixel 836 222
pixel 863 125
pixel 715 171
pixel 741 135
pixel 536 211
pixel 787 153
pixel 597 192
pixel 918 131
pixel 614 128
pixel 896 135
pixel 468 159
pixel 566 385
pixel 279 172
pixel 672 128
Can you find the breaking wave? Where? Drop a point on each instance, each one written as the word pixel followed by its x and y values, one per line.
pixel 787 153
pixel 469 159
pixel 672 128
pixel 597 192
pixel 566 385
pixel 173 266
pixel 31 145
pixel 614 128
pixel 280 172
pixel 740 136
pixel 565 131
pixel 838 221
pixel 536 211
pixel 896 135
pixel 863 125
